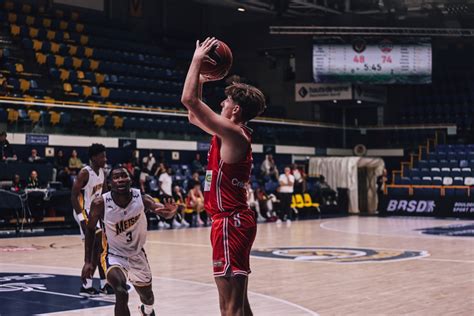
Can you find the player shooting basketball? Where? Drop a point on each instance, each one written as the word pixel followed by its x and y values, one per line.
pixel 228 171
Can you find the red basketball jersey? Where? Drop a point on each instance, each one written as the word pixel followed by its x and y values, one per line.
pixel 225 184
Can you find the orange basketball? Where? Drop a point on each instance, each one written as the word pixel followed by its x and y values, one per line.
pixel 222 55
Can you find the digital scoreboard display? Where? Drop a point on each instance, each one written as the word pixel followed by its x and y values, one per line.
pixel 373 62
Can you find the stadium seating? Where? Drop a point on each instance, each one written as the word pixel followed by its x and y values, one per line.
pixel 448 172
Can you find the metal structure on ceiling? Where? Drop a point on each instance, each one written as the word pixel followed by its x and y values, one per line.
pixel 308 8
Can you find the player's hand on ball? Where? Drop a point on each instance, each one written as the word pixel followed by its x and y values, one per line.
pixel 203 78
pixel 202 49
pixel 87 271
pixel 168 209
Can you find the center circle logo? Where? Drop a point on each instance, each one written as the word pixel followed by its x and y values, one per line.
pixel 337 254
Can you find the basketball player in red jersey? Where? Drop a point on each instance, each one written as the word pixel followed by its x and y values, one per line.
pixel 228 171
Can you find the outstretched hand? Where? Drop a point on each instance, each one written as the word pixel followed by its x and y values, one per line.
pixel 167 209
pixel 203 49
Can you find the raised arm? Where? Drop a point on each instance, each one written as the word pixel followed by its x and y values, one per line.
pixel 96 213
pixel 191 117
pixel 166 210
pixel 200 113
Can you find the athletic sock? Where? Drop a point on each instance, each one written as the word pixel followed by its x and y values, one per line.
pixel 148 309
pixel 88 284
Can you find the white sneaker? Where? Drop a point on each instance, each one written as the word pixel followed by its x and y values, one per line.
pixel 278 221
pixel 288 221
pixel 176 224
pixel 184 223
pixel 261 219
pixel 161 225
pixel 166 225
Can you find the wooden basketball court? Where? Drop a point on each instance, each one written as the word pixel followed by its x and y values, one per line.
pixel 352 265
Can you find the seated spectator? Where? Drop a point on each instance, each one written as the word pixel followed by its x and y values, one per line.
pixel 195 201
pixel 269 168
pixel 6 150
pixel 33 181
pixel 265 203
pixel 323 193
pixel 17 186
pixel 194 181
pixel 64 177
pixel 180 199
pixel 35 197
pixel 196 165
pixel 60 161
pixel 75 163
pixel 34 156
pixel 253 203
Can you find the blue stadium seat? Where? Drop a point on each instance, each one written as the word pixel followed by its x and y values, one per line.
pixel 405 180
pixel 425 172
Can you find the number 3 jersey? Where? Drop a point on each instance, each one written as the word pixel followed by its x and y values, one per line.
pixel 125 228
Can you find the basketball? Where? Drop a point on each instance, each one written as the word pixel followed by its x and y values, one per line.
pixel 222 55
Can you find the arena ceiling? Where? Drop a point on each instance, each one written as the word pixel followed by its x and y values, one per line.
pixel 376 8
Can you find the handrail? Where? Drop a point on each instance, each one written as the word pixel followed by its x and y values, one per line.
pixel 410 187
pixel 49 103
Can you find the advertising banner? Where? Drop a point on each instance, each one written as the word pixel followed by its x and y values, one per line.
pixel 322 92
pixel 421 206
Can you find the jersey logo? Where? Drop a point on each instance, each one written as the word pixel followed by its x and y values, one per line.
pixel 126 224
pixel 208 180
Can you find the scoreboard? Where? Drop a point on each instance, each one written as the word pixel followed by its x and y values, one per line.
pixel 383 62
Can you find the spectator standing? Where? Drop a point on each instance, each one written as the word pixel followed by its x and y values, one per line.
pixel 6 150
pixel 287 181
pixel 269 168
pixel 196 165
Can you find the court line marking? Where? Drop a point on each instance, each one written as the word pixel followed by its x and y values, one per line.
pixel 310 312
pixel 324 226
pixel 423 254
pixel 449 260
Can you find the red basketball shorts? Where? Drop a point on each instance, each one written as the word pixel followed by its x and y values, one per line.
pixel 232 238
